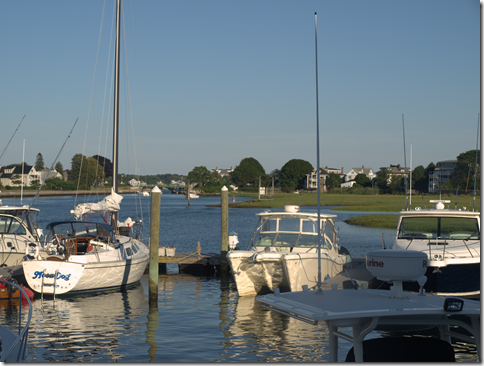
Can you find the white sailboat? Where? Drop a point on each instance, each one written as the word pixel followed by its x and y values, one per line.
pixel 91 256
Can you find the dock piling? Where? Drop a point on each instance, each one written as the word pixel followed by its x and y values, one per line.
pixel 224 242
pixel 154 243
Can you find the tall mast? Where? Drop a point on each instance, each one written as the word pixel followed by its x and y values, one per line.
pixel 116 111
pixel 116 99
pixel 317 151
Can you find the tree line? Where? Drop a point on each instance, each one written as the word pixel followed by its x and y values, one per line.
pixel 292 177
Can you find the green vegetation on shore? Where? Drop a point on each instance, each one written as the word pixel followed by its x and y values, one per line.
pixel 353 202
pixel 381 221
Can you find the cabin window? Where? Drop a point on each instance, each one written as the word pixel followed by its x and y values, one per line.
pixel 8 225
pixel 135 248
pixel 452 228
pixel 129 252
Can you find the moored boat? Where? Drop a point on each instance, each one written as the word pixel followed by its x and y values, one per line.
pixel 86 257
pixel 283 253
pixel 90 256
pixel 19 233
pixel 364 310
pixel 451 240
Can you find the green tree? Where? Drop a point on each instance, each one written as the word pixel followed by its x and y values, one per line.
pixel 397 184
pixel 382 181
pixel 59 168
pixel 333 181
pixel 248 172
pixel 200 175
pixel 419 182
pixel 293 174
pixel 463 174
pixel 39 162
pixel 275 174
pixel 362 180
pixel 86 170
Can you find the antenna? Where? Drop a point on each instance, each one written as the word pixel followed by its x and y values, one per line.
pixel 475 167
pixel 317 152
pixel 405 162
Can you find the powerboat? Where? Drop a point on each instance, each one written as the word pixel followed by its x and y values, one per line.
pixel 364 310
pixel 88 256
pixel 451 239
pixel 283 253
pixel 18 233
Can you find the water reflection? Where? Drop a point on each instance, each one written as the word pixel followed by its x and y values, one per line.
pixel 86 328
pixel 256 334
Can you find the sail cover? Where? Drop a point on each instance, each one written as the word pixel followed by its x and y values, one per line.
pixel 108 204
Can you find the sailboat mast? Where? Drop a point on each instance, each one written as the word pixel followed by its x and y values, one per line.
pixel 317 150
pixel 116 110
pixel 116 99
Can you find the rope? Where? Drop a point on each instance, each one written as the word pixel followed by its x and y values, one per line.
pixel 198 252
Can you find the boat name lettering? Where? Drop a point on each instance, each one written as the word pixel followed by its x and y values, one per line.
pixel 374 263
pixel 60 276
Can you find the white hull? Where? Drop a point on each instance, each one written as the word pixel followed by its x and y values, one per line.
pixel 248 275
pixel 91 272
pixel 302 269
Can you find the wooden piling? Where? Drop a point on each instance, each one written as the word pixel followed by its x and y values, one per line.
pixel 224 240
pixel 154 244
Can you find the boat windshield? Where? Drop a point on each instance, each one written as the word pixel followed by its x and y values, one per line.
pixel 289 232
pixel 452 228
pixel 12 226
pixel 79 229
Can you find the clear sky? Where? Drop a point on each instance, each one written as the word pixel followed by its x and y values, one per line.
pixel 213 82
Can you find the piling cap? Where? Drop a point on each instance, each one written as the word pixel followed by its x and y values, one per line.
pixel 224 188
pixel 156 190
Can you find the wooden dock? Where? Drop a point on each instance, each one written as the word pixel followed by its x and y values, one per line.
pixel 192 263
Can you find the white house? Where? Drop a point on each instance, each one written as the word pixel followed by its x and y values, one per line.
pixel 351 175
pixel 222 172
pixel 28 175
pixel 51 174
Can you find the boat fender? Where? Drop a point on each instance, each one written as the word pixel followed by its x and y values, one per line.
pixel 32 248
pixel 90 247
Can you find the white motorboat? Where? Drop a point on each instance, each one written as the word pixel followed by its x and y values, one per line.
pixel 451 239
pixel 194 195
pixel 14 344
pixel 283 253
pixel 144 193
pixel 393 310
pixel 92 256
pixel 18 233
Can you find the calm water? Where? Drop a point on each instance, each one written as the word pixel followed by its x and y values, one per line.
pixel 199 319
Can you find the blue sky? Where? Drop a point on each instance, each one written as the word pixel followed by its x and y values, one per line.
pixel 213 82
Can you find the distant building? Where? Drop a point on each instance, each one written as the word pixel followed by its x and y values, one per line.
pixel 441 174
pixel 134 183
pixel 47 174
pixel 351 175
pixel 312 178
pixel 15 176
pixel 178 183
pixel 395 170
pixel 222 172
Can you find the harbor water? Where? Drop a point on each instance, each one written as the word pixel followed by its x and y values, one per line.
pixel 199 318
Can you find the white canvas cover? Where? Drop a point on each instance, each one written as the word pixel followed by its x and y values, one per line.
pixel 108 204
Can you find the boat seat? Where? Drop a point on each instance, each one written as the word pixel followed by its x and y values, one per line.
pixel 405 349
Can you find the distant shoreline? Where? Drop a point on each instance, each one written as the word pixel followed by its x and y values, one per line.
pixel 50 193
